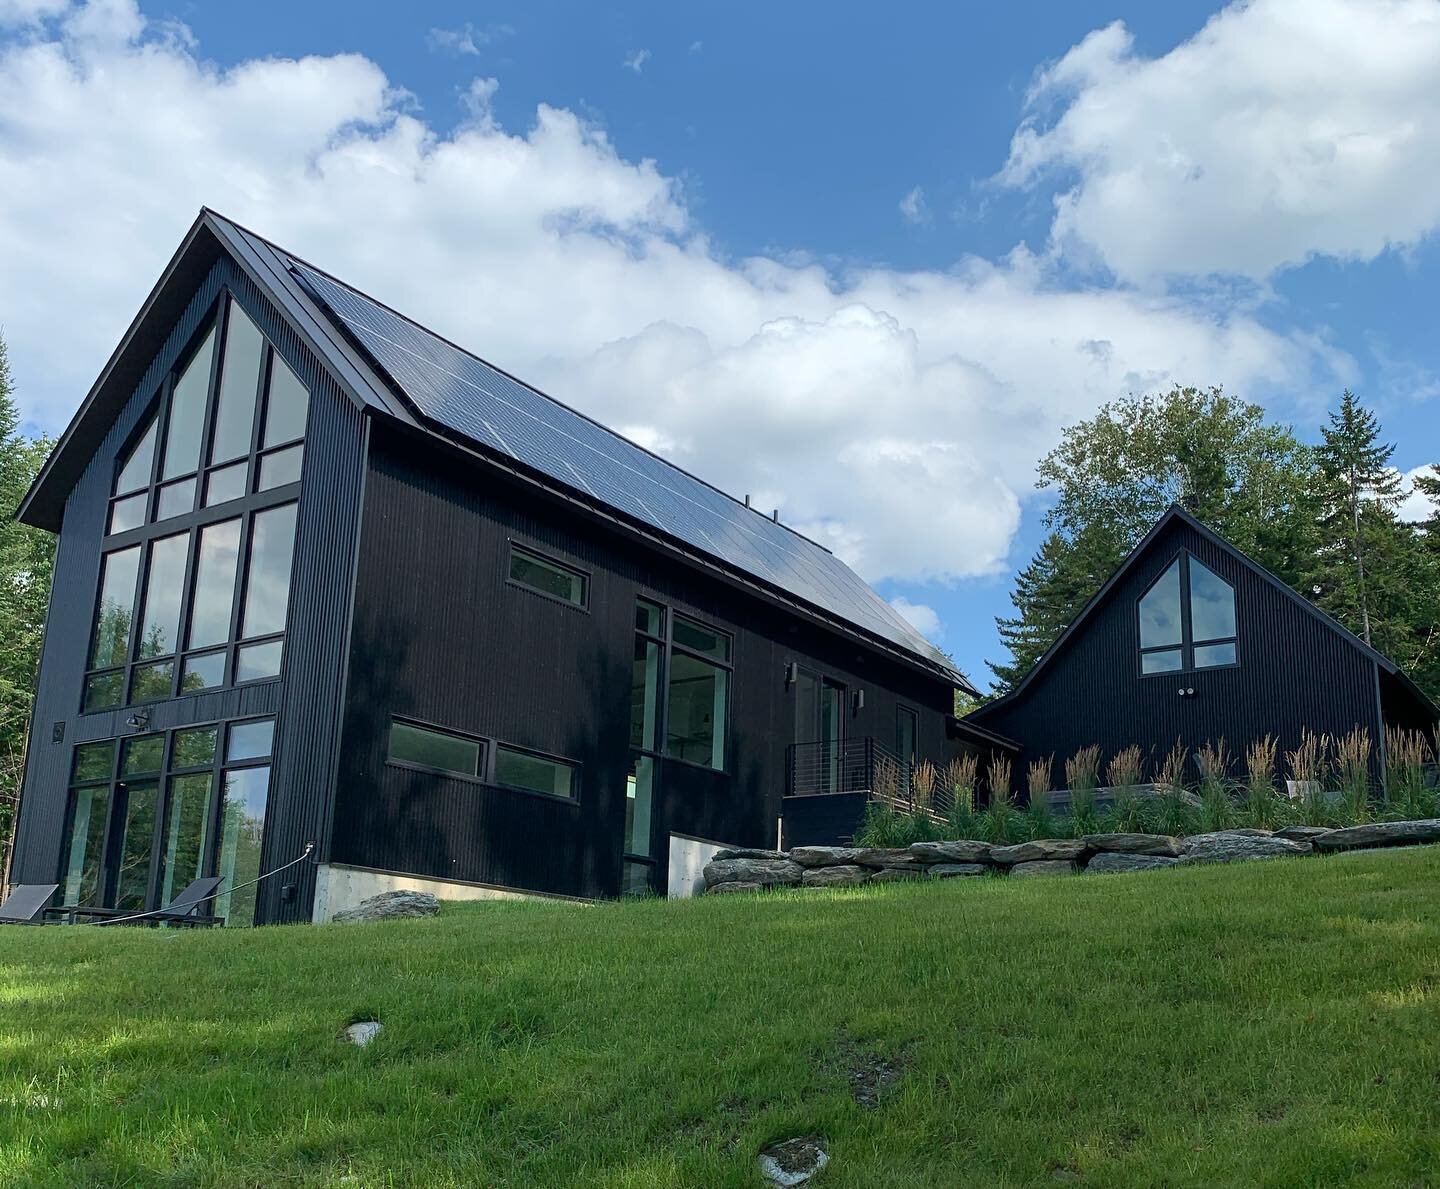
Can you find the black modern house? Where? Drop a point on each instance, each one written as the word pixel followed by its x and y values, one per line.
pixel 324 577
pixel 1190 641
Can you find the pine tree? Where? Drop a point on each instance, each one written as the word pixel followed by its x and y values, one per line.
pixel 27 558
pixel 1358 522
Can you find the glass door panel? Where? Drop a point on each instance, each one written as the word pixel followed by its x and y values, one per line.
pixel 242 831
pixel 83 882
pixel 832 730
pixel 182 853
pixel 134 847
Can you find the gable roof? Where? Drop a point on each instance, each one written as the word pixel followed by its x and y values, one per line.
pixel 1176 513
pixel 392 366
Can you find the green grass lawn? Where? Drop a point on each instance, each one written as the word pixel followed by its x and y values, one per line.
pixel 1271 1023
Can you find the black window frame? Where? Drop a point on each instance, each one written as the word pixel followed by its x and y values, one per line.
pixel 244 508
pixel 514 546
pixel 1187 645
pixel 489 746
pixel 116 782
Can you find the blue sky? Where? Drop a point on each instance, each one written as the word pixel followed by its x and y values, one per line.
pixel 862 262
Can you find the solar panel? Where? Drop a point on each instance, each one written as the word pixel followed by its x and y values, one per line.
pixel 468 396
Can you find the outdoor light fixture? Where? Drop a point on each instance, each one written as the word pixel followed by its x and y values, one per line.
pixel 859 700
pixel 139 720
pixel 792 673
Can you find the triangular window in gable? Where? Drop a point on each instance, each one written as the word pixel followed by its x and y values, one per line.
pixel 1187 619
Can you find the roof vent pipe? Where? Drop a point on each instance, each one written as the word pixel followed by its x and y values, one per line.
pixel 747 499
pixel 775 516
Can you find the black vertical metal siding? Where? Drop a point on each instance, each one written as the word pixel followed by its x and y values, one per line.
pixel 306 698
pixel 439 636
pixel 1295 673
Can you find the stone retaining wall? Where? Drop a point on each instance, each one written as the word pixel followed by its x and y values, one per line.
pixel 747 870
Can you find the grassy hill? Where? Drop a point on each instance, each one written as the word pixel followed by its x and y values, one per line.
pixel 1271 1023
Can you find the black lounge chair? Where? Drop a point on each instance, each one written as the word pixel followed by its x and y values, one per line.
pixel 27 903
pixel 183 910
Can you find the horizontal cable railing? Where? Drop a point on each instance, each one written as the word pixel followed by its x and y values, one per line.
pixel 857 766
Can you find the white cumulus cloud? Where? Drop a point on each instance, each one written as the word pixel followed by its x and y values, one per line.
pixel 895 415
pixel 922 618
pixel 913 207
pixel 1283 130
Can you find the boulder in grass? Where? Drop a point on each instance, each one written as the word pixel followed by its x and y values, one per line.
pixel 1040 850
pixel 1303 833
pixel 1232 847
pixel 1116 861
pixel 827 856
pixel 734 885
pixel 390 906
pixel 834 877
pixel 768 872
pixel 963 851
pixel 1044 867
pixel 1381 834
pixel 747 852
pixel 1135 844
pixel 897 873
pixel 883 856
pixel 956 870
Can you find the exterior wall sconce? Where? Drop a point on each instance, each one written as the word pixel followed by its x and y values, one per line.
pixel 1185 692
pixel 859 700
pixel 792 673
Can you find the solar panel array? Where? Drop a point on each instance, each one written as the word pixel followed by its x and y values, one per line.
pixel 470 397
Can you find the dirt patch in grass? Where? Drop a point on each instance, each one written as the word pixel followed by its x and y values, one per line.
pixel 870 1074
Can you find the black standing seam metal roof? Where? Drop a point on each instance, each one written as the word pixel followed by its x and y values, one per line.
pixel 1176 512
pixel 390 363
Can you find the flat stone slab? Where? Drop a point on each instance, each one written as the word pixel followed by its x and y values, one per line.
pixel 1040 850
pixel 1228 847
pixel 1119 861
pixel 1381 834
pixel 770 872
pixel 738 885
pixel 894 874
pixel 390 906
pixel 793 1162
pixel 1044 867
pixel 747 852
pixel 957 870
pixel 1135 844
pixel 830 877
pixel 963 851
pixel 881 856
pixel 826 856
pixel 1303 833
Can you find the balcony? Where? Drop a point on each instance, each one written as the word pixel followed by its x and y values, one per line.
pixel 829 783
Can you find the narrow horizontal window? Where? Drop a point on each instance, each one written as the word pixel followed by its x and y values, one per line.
pixel 1168 661
pixel 1208 656
pixel 548 577
pixel 251 740
pixel 697 637
pixel 538 774
pixel 410 744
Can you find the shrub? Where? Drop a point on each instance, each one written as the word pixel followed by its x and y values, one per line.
pixel 885 825
pixel 1217 810
pixel 1037 780
pixel 1406 754
pixel 1306 765
pixel 1174 815
pixel 1082 776
pixel 1124 772
pixel 961 776
pixel 1263 808
pixel 1352 768
pixel 999 824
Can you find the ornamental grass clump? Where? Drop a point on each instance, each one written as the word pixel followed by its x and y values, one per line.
pixel 1082 777
pixel 961 776
pixel 1217 810
pixel 1264 809
pixel 1037 784
pixel 923 780
pixel 1124 773
pixel 1306 765
pixel 1406 755
pixel 1352 770
pixel 1173 814
pixel 999 819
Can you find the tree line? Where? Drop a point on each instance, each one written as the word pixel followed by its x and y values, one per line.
pixel 1324 517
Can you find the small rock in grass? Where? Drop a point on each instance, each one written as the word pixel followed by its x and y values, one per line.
pixel 1044 867
pixel 363 1032
pixel 793 1162
pixel 1110 861
pixel 390 906
pixel 829 877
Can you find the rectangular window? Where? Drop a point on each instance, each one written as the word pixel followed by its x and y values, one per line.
pixel 164 589
pixel 216 559
pixel 547 577
pixel 695 715
pixel 428 748
pixel 538 774
pixel 111 641
pixel 645 695
pixel 267 582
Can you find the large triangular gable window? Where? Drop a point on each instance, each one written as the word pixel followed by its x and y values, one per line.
pixel 1187 619
pixel 195 574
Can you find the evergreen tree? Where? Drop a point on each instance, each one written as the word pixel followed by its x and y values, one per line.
pixel 1115 474
pixel 26 562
